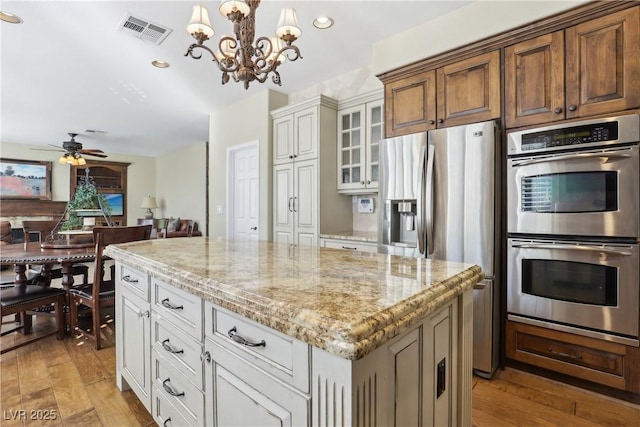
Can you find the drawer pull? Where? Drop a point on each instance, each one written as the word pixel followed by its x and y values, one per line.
pixel 143 314
pixel 349 248
pixel 169 390
pixel 165 303
pixel 570 356
pixel 167 346
pixel 167 422
pixel 128 278
pixel 240 340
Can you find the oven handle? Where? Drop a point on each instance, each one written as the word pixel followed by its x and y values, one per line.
pixel 588 248
pixel 577 156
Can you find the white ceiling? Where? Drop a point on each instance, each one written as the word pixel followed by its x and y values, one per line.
pixel 67 68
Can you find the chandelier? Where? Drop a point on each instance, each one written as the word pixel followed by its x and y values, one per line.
pixel 238 56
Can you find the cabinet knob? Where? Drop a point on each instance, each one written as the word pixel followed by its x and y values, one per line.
pixel 368 181
pixel 558 110
pixel 572 107
pixel 440 120
pixel 295 156
pixel 253 228
pixel 291 156
pixel 361 182
pixel 432 122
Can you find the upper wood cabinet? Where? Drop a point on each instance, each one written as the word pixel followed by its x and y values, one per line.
pixel 466 91
pixel 588 69
pixel 469 90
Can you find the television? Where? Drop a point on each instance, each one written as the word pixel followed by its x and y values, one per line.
pixel 116 203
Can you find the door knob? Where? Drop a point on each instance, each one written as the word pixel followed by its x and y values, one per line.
pixel 253 228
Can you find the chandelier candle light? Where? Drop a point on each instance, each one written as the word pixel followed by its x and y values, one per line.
pixel 238 56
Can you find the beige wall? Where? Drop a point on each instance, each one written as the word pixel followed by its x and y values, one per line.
pixel 141 174
pixel 462 26
pixel 245 121
pixel 181 185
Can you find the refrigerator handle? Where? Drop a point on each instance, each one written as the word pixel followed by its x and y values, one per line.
pixel 420 206
pixel 429 200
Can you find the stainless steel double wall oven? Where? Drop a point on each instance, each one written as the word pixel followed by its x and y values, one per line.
pixel 573 193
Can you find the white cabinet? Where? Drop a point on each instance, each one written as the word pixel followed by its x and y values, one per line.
pixel 304 165
pixel 133 352
pixel 360 129
pixel 295 136
pixel 350 245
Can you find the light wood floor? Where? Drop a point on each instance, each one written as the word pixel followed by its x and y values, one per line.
pixel 78 383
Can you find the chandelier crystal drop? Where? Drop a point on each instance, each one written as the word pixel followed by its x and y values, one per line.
pixel 237 55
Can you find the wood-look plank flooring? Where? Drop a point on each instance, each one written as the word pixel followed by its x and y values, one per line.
pixel 78 383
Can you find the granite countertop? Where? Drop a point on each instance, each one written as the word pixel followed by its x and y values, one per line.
pixel 347 303
pixel 359 236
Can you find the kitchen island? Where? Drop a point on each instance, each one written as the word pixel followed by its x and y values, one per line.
pixel 213 332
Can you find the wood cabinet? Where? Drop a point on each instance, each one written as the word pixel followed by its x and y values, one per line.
pixel 360 129
pixel 587 69
pixel 304 138
pixel 602 362
pixel 462 92
pixel 110 178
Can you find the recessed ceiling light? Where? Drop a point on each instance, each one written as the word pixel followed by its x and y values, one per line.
pixel 323 22
pixel 10 17
pixel 160 64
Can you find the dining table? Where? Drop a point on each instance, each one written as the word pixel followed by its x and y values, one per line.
pixel 21 255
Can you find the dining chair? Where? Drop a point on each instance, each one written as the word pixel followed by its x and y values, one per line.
pixel 101 293
pixel 19 300
pixel 44 229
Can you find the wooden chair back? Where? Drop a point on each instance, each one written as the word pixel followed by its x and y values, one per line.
pixel 105 236
pixel 43 228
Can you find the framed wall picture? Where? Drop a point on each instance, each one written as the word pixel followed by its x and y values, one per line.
pixel 25 179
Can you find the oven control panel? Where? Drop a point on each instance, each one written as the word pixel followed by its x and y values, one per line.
pixel 577 135
pixel 597 132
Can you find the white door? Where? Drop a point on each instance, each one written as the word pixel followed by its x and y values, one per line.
pixel 243 191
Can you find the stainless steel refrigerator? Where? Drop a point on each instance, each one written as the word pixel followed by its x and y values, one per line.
pixel 438 200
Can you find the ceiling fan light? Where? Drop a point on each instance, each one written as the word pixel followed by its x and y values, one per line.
pixel 63 159
pixel 228 6
pixel 81 161
pixel 288 24
pixel 199 23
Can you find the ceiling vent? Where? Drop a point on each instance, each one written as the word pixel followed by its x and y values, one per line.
pixel 143 29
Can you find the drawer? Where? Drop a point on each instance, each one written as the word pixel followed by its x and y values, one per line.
pixel 185 396
pixel 350 245
pixel 282 356
pixel 599 361
pixel 164 413
pixel 133 280
pixel 181 350
pixel 181 308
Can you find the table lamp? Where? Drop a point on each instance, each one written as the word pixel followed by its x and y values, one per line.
pixel 149 203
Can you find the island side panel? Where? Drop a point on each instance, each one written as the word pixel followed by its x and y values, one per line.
pixel 396 384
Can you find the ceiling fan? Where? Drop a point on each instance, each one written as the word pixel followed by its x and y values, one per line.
pixel 73 151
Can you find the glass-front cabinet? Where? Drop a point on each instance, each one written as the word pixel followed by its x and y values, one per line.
pixel 360 129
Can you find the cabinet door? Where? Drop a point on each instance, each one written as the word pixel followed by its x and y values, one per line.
pixel 239 394
pixel 305 202
pixel 306 134
pixel 351 155
pixel 283 203
pixel 469 90
pixel 134 345
pixel 534 81
pixel 438 361
pixel 410 104
pixel 603 64
pixel 375 132
pixel 283 139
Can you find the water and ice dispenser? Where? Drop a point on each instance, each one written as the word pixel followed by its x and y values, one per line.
pixel 399 223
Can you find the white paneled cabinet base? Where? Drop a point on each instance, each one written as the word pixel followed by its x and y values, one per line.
pixel 193 363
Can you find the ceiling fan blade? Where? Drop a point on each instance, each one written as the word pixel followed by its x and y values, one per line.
pixel 47 149
pixel 90 150
pixel 102 156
